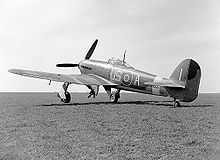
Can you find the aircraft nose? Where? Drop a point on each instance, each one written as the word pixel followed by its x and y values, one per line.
pixel 81 64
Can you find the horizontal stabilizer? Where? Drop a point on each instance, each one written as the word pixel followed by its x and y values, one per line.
pixel 169 84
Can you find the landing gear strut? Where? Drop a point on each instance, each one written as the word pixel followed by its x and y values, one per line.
pixel 67 99
pixel 94 90
pixel 114 96
pixel 63 94
pixel 176 103
pixel 91 93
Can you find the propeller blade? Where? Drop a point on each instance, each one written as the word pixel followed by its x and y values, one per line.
pixel 67 65
pixel 91 50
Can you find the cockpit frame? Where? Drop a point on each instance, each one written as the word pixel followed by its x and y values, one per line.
pixel 118 62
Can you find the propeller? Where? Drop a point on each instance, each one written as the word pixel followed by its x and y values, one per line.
pixel 88 55
pixel 67 65
pixel 91 50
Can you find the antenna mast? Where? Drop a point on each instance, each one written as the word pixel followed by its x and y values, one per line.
pixel 124 57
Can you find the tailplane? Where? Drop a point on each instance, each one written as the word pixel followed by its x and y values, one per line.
pixel 188 74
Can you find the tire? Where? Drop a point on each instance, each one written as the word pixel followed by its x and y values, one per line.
pixel 68 98
pixel 176 104
pixel 114 97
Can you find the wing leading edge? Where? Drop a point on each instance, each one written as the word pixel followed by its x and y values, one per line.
pixel 82 79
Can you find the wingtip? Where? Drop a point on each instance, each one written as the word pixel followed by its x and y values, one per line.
pixel 11 70
pixel 15 71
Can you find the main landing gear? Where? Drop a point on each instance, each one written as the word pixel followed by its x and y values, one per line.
pixel 94 90
pixel 63 94
pixel 115 95
pixel 176 103
pixel 67 99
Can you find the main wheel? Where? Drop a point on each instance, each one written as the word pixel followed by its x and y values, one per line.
pixel 114 96
pixel 68 98
pixel 176 104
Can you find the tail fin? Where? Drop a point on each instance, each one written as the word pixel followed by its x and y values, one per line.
pixel 187 73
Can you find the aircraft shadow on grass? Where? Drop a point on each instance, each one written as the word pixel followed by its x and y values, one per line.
pixel 156 103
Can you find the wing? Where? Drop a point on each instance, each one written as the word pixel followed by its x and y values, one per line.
pixel 82 79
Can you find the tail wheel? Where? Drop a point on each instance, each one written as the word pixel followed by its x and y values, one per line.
pixel 67 99
pixel 114 96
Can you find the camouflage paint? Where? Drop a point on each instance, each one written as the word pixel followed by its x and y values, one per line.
pixel 128 79
pixel 190 73
pixel 187 73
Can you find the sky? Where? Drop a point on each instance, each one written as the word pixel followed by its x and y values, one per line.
pixel 157 35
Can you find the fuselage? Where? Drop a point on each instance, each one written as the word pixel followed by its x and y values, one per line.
pixel 125 76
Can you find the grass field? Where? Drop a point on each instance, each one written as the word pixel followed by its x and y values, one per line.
pixel 39 126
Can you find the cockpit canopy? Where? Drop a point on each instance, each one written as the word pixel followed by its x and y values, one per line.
pixel 118 62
